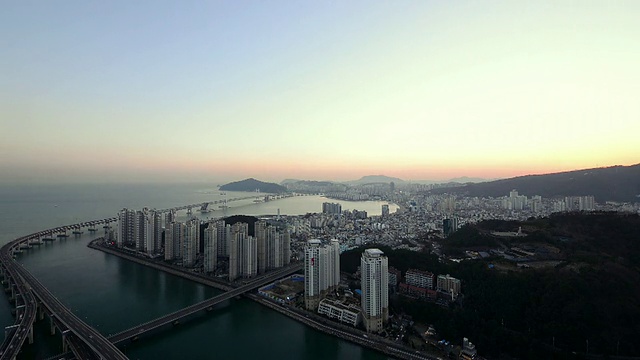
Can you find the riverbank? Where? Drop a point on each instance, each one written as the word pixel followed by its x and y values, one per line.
pixel 173 270
pixel 310 319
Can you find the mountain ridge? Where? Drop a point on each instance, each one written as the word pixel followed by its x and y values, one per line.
pixel 615 183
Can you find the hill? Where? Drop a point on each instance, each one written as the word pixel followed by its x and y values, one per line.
pixel 376 179
pixel 616 183
pixel 538 313
pixel 253 184
pixel 307 182
pixel 466 179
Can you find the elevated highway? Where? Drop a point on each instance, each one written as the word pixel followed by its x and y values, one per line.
pixel 30 296
pixel 206 305
pixel 25 286
pixel 26 310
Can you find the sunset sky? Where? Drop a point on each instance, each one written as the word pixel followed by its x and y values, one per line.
pixel 224 90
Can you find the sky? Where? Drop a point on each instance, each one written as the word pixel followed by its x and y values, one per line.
pixel 120 91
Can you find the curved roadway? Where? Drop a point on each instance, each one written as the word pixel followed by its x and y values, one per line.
pixel 13 343
pixel 30 288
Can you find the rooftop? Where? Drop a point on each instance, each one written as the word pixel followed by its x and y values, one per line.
pixel 373 252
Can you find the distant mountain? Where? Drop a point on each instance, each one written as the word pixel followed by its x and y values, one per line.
pixel 306 182
pixel 253 184
pixel 616 183
pixel 466 179
pixel 289 181
pixel 376 179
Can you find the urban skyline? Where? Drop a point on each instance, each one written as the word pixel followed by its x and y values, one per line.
pixel 221 91
pixel 350 301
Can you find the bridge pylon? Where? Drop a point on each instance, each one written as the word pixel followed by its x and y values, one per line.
pixel 65 342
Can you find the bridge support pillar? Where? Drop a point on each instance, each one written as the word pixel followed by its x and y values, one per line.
pixel 65 343
pixel 40 312
pixel 52 325
pixel 31 334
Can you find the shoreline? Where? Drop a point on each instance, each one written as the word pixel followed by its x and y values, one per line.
pixel 314 321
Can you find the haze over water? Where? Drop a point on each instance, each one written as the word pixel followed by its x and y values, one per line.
pixel 112 294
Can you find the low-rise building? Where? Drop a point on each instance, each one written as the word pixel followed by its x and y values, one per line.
pixel 449 285
pixel 346 313
pixel 419 278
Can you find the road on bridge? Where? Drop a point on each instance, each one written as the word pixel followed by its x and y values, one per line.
pixel 201 306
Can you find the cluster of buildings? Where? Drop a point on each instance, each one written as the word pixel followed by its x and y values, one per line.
pixel 322 278
pixel 141 229
pixel 331 208
pixel 426 285
pixel 575 203
pixel 199 244
pixel 321 271
pixel 534 204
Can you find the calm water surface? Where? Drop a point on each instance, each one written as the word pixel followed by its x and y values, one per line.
pixel 112 294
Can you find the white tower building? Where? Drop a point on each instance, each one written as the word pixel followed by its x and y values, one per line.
pixel 374 270
pixel 210 248
pixel 191 241
pixel 312 274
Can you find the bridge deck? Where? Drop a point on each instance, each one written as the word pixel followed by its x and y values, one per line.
pixel 30 289
pixel 203 305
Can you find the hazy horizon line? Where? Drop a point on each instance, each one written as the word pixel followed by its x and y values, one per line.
pixel 137 180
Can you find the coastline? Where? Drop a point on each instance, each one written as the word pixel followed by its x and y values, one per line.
pixel 314 321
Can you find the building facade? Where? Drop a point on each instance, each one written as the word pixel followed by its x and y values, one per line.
pixel 210 248
pixel 449 284
pixel 322 271
pixel 419 278
pixel 374 272
pixel 191 242
pixel 348 314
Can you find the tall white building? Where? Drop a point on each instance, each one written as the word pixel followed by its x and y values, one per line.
pixel 169 253
pixel 243 253
pixel 210 248
pixel 312 274
pixel 153 232
pixel 261 241
pixel 224 238
pixel 274 247
pixel 140 229
pixel 374 270
pixel 191 241
pixel 322 271
pixel 334 264
pixel 174 240
pixel 286 247
pixel 169 218
pixel 126 227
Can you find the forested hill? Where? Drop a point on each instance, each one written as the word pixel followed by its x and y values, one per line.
pixel 253 185
pixel 616 183
pixel 538 313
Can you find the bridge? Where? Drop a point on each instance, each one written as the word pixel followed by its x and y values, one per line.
pixel 205 205
pixel 32 300
pixel 16 335
pixel 35 296
pixel 206 305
